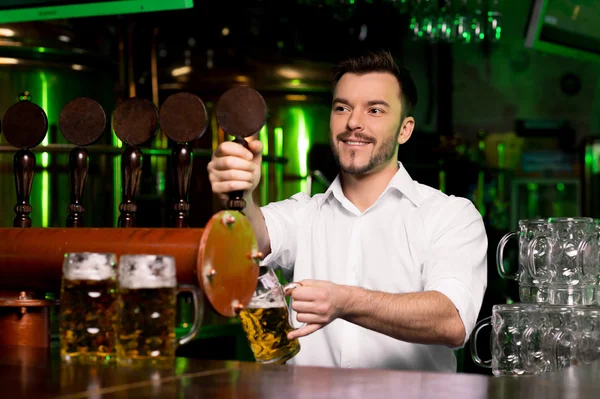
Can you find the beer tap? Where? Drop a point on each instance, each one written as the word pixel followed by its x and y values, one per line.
pixel 24 126
pixel 183 119
pixel 82 121
pixel 135 121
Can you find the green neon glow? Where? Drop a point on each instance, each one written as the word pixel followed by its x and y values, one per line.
pixel 116 177
pixel 560 187
pixel 45 209
pixel 278 144
pixel 263 136
pixel 91 10
pixel 299 117
pixel 303 139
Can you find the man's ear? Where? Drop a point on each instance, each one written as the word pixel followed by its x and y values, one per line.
pixel 406 129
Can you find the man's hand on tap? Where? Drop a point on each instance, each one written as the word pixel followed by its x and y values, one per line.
pixel 234 168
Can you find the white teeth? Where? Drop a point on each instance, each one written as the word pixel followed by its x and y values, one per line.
pixel 356 143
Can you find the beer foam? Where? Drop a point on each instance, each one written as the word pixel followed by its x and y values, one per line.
pixel 147 271
pixel 89 266
pixel 267 301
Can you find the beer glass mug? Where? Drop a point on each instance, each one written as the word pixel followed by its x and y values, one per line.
pixel 266 320
pixel 88 308
pixel 511 325
pixel 529 289
pixel 568 240
pixel 147 309
pixel 587 334
pixel 567 294
pixel 559 340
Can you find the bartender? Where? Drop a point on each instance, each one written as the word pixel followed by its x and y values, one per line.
pixel 392 271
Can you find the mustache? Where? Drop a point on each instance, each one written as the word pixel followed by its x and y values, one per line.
pixel 356 135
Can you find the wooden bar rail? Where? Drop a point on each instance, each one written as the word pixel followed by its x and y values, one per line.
pixel 35 373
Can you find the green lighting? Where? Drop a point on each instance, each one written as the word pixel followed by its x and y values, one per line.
pixel 41 49
pixel 481 36
pixel 532 186
pixel 303 140
pixel 560 187
pixel 296 82
pixel 263 136
pixel 45 209
pixel 116 176
pixel 278 144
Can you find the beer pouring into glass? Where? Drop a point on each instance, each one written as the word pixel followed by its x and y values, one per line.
pixel 267 320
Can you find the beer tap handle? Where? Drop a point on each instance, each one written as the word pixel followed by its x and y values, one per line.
pixel 135 121
pixel 24 166
pixel 82 121
pixel 236 199
pixel 182 157
pixel 131 173
pixel 24 126
pixel 241 112
pixel 78 169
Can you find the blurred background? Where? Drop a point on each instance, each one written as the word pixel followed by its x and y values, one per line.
pixel 508 113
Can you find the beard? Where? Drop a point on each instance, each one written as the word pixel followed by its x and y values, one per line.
pixel 380 156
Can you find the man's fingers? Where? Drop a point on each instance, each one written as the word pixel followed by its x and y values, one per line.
pixel 229 186
pixel 229 148
pixel 231 162
pixel 304 331
pixel 230 175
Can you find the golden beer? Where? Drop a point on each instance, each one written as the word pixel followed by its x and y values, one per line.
pixel 147 324
pixel 88 320
pixel 266 328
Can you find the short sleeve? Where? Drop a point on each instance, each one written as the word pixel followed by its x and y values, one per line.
pixel 456 264
pixel 281 219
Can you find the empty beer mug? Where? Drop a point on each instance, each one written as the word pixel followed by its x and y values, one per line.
pixel 587 334
pixel 570 243
pixel 529 289
pixel 266 320
pixel 88 308
pixel 147 309
pixel 512 326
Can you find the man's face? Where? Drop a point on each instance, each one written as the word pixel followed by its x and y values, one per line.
pixel 365 123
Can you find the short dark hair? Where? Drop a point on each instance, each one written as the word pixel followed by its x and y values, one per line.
pixel 380 61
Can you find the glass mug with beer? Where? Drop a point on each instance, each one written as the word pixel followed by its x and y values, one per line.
pixel 266 320
pixel 147 308
pixel 88 308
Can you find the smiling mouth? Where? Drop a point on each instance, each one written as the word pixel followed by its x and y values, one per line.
pixel 355 143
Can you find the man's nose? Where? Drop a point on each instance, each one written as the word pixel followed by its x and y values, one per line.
pixel 355 122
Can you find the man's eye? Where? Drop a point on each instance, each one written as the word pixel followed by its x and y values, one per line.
pixel 377 111
pixel 338 108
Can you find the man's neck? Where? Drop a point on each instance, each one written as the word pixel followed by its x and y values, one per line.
pixel 364 190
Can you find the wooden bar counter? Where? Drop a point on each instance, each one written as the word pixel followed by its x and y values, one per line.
pixel 38 373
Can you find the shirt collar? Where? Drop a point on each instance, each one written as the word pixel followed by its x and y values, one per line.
pixel 401 182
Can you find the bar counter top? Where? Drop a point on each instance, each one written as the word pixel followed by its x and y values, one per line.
pixel 36 373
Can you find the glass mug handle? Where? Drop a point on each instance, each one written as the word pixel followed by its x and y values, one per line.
pixel 198 312
pixel 474 354
pixel 287 291
pixel 500 256
pixel 530 264
pixel 579 258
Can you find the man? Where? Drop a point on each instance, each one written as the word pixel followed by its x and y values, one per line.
pixel 392 272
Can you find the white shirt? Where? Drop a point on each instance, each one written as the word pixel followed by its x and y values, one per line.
pixel 413 238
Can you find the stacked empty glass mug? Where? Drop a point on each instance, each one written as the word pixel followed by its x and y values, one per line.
pixel 557 322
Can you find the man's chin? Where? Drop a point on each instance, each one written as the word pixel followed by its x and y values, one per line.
pixel 356 170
